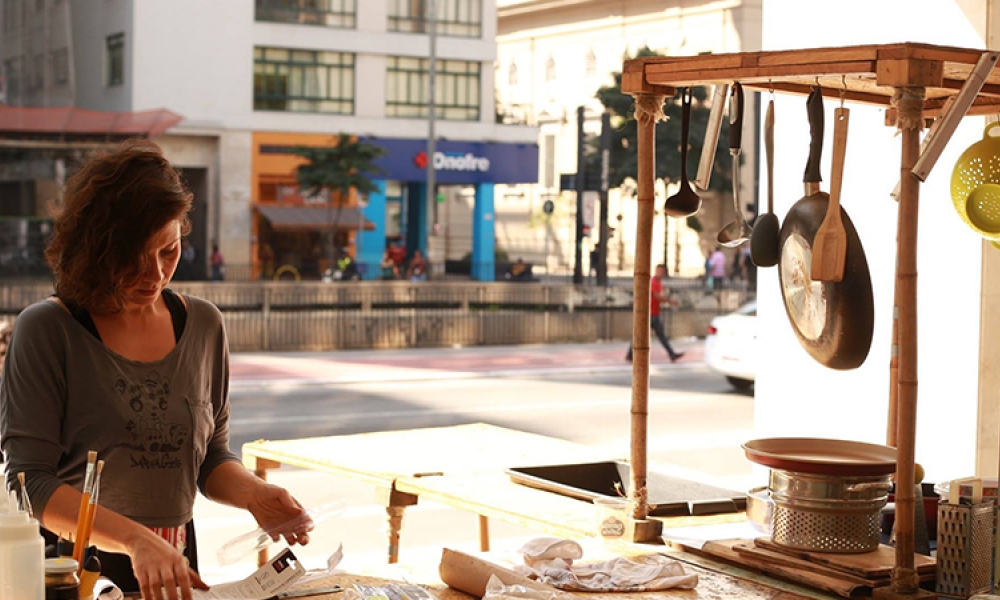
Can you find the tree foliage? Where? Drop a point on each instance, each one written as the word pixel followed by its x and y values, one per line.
pixel 624 155
pixel 350 164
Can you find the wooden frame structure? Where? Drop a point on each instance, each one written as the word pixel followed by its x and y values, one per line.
pixel 917 83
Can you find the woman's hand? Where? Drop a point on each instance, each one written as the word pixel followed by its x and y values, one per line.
pixel 279 514
pixel 161 570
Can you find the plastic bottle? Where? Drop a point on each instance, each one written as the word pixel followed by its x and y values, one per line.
pixel 22 555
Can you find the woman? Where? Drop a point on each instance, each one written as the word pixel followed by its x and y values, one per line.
pixel 117 363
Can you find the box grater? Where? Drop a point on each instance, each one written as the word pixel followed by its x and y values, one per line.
pixel 965 547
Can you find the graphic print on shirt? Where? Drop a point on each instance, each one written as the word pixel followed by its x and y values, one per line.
pixel 155 443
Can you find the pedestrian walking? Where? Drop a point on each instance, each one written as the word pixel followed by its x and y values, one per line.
pixel 657 298
pixel 218 264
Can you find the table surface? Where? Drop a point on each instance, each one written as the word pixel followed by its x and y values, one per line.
pixel 384 456
pixel 463 467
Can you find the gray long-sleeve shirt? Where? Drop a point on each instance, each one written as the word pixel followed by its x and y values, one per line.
pixel 161 427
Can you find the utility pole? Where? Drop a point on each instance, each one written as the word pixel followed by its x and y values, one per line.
pixel 580 188
pixel 432 110
pixel 603 229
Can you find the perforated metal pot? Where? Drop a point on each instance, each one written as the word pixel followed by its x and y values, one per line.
pixel 826 513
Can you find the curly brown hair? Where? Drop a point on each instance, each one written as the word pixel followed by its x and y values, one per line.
pixel 112 206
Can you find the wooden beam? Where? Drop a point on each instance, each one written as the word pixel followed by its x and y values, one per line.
pixel 634 80
pixel 667 75
pixel 827 91
pixel 981 107
pixel 910 73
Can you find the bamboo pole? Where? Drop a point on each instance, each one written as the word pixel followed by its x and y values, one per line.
pixel 909 102
pixel 648 111
pixel 893 420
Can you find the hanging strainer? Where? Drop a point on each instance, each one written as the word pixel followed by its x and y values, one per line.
pixel 975 185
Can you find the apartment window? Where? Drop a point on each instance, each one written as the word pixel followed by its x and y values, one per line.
pixel 458 18
pixel 303 81
pixel 11 16
pixel 60 66
pixel 36 79
pixel 114 46
pixel 456 88
pixel 12 76
pixel 329 13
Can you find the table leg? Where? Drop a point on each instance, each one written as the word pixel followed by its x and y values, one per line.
pixel 395 503
pixel 260 466
pixel 484 533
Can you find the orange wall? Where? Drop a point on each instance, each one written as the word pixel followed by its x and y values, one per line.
pixel 280 168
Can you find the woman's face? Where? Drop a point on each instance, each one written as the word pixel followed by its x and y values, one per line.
pixel 163 250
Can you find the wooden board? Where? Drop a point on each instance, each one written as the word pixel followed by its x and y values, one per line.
pixel 810 577
pixel 869 565
pixel 763 554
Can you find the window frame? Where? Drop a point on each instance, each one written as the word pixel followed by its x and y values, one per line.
pixel 112 44
pixel 401 18
pixel 448 74
pixel 345 67
pixel 297 12
pixel 60 55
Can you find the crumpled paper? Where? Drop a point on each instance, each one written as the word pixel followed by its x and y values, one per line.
pixel 551 561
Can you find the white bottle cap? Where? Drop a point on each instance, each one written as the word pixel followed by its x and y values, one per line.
pixel 18 527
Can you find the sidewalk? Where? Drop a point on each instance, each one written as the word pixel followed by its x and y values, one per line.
pixel 430 364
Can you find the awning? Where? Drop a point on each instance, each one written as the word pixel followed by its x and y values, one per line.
pixel 69 120
pixel 314 218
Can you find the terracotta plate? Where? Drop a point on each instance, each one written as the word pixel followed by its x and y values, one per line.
pixel 822 457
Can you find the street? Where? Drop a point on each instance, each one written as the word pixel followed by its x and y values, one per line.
pixel 579 393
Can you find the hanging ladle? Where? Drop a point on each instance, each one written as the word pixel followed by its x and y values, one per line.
pixel 685 202
pixel 739 230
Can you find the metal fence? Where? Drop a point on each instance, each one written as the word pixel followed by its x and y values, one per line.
pixel 362 315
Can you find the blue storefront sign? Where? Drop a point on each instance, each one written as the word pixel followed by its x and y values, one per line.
pixel 458 163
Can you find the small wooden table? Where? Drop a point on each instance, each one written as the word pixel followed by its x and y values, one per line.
pixel 384 458
pixel 463 467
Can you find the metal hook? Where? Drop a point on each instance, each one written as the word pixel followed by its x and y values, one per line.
pixel 770 88
pixel 843 90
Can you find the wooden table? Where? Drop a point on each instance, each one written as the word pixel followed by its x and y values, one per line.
pixel 384 458
pixel 463 467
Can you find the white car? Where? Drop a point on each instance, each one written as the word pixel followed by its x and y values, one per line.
pixel 731 346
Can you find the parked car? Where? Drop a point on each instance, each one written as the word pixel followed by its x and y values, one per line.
pixel 731 346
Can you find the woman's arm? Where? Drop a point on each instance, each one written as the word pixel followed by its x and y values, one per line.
pixel 275 510
pixel 156 564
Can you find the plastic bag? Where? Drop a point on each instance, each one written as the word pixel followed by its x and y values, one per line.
pixel 498 590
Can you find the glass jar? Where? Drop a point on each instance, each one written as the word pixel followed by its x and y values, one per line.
pixel 61 580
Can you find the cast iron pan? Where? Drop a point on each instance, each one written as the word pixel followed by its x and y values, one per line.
pixel 832 320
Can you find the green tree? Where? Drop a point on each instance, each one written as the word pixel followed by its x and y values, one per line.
pixel 347 165
pixel 350 164
pixel 624 157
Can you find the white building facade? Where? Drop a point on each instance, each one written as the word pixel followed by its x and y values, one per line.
pixel 253 80
pixel 553 56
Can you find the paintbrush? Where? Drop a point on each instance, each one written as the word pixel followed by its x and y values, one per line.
pixel 81 519
pixel 95 492
pixel 25 501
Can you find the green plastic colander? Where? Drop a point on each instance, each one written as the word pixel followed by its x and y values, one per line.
pixel 975 185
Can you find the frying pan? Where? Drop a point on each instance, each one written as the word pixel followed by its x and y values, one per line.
pixel 822 456
pixel 833 321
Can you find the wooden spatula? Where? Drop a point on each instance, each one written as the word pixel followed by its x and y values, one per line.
pixel 829 251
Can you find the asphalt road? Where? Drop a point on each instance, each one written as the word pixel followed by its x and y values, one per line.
pixel 577 393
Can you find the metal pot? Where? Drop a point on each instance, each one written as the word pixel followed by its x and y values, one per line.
pixel 825 513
